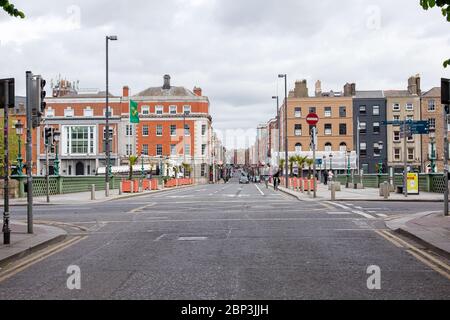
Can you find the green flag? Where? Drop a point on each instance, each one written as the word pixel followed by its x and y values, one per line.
pixel 134 113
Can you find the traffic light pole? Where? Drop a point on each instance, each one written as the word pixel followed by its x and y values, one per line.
pixel 47 175
pixel 405 154
pixel 446 154
pixel 314 133
pixel 29 155
pixel 6 229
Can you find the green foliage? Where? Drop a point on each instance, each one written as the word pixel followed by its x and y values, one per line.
pixel 13 144
pixel 132 160
pixel 282 163
pixel 10 9
pixel 445 8
pixel 309 163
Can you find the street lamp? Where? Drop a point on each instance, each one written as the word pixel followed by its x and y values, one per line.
pixel 285 128
pixel 19 132
pixel 142 166
pixel 279 126
pixel 348 167
pixel 433 151
pixel 107 142
pixel 331 164
pixel 56 139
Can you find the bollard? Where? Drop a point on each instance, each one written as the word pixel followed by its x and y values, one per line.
pixel 333 191
pixel 308 185
pixel 120 188
pixel 92 191
pixel 386 190
pixel 132 186
pixel 141 189
pixel 107 189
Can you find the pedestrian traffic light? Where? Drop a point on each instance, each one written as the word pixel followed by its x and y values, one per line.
pixel 445 92
pixel 48 135
pixel 9 93
pixel 38 94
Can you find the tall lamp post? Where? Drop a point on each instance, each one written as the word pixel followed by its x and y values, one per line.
pixel 19 132
pixel 56 138
pixel 107 135
pixel 142 166
pixel 279 126
pixel 325 165
pixel 433 150
pixel 331 164
pixel 348 168
pixel 285 129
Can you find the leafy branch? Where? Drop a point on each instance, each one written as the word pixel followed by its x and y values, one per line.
pixel 10 9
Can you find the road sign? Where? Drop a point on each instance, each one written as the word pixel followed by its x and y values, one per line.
pixel 312 119
pixel 319 162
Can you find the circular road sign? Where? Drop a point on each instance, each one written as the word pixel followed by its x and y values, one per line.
pixel 312 119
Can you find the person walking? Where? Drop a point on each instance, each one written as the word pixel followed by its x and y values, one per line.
pixel 276 180
pixel 325 178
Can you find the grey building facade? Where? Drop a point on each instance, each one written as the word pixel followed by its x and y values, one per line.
pixel 369 110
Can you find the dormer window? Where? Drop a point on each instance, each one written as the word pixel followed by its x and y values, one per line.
pixel 88 112
pixel 145 110
pixel 159 110
pixel 50 113
pixel 68 112
pixel 110 112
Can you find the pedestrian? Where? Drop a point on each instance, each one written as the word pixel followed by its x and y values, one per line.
pixel 325 178
pixel 276 180
pixel 330 175
pixel 266 178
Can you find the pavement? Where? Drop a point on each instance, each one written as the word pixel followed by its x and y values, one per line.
pixel 84 197
pixel 229 241
pixel 366 194
pixel 23 244
pixel 432 229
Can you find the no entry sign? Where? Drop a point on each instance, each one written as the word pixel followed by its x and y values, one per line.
pixel 312 119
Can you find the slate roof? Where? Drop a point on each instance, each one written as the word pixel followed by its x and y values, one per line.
pixel 435 93
pixel 373 94
pixel 160 92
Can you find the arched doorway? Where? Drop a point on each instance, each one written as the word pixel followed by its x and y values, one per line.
pixel 79 169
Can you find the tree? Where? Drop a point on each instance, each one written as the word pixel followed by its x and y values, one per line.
pixel 187 168
pixel 301 163
pixel 132 160
pixel 282 163
pixel 292 160
pixel 309 163
pixel 13 144
pixel 10 9
pixel 445 8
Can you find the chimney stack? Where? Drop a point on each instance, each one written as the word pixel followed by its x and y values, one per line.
pixel 126 92
pixel 318 91
pixel 300 90
pixel 414 85
pixel 349 89
pixel 198 91
pixel 166 85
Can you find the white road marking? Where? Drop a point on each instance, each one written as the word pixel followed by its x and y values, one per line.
pixel 262 193
pixel 368 216
pixel 192 238
pixel 382 215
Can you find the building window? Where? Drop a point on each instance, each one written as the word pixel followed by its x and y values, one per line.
pixel 173 109
pixel 88 112
pixel 145 110
pixel 342 129
pixel 145 130
pixel 312 109
pixel 411 154
pixel 145 149
pixel 159 110
pixel 298 130
pixel 342 112
pixel 79 140
pixel 409 107
pixel 376 128
pixel 362 110
pixel 397 153
pixel 410 138
pixel 327 112
pixel 187 109
pixel 173 130
pixel 49 112
pixel 431 106
pixel 363 149
pixel 328 129
pixel 409 118
pixel 129 150
pixel 111 134
pixel 187 149
pixel 203 170
pixel 376 149
pixel 298 147
pixel 328 147
pixel 110 112
pixel 159 150
pixel 343 147
pixel 68 112
pixel 396 119
pixel 396 107
pixel 432 123
pixel 396 136
pixel 187 130
pixel 159 130
pixel 129 130
pixel 363 128
pixel 203 129
pixel 203 149
pixel 298 112
pixel 173 149
pixel 376 110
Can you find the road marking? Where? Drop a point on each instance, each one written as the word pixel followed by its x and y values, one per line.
pixel 339 213
pixel 192 238
pixel 395 243
pixel 382 215
pixel 40 255
pixel 139 209
pixel 262 193
pixel 432 262
pixel 368 216
pixel 160 237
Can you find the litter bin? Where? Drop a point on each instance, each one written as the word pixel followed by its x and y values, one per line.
pixel 399 189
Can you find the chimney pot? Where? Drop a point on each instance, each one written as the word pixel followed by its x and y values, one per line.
pixel 198 91
pixel 166 82
pixel 126 92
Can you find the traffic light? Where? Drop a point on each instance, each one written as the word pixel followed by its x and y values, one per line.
pixel 48 135
pixel 38 104
pixel 445 92
pixel 10 91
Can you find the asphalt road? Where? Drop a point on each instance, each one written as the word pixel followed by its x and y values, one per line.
pixel 227 242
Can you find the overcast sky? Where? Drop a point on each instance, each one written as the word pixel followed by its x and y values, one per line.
pixel 232 49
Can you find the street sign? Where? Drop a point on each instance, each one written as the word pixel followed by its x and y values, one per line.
pixel 319 162
pixel 312 119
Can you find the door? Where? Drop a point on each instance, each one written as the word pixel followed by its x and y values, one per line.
pixel 79 169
